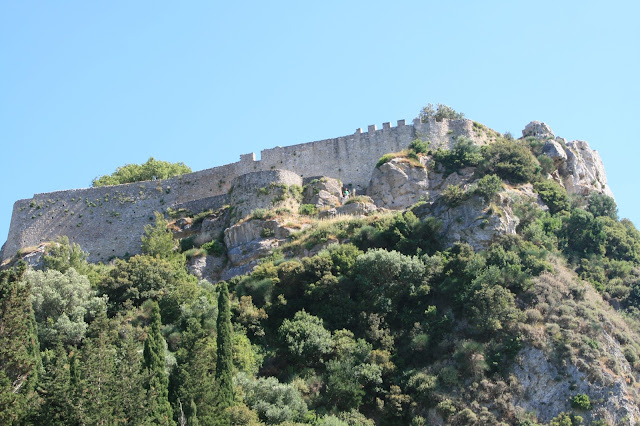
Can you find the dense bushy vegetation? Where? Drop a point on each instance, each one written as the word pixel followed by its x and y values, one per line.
pixel 439 113
pixel 386 326
pixel 151 170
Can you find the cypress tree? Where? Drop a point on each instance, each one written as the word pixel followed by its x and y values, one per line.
pixel 131 392
pixel 158 385
pixel 55 388
pixel 19 348
pixel 95 374
pixel 224 363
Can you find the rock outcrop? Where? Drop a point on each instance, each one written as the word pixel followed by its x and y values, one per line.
pixel 579 168
pixel 538 130
pixel 323 192
pixel 398 184
pixel 584 171
pixel 264 190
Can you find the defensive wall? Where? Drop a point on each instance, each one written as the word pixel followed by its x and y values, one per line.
pixel 109 221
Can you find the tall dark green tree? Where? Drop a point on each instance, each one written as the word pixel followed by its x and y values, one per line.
pixel 224 363
pixel 131 395
pixel 158 385
pixel 54 388
pixel 193 380
pixel 19 349
pixel 93 374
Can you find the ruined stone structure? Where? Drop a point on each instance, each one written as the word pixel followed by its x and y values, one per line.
pixel 108 221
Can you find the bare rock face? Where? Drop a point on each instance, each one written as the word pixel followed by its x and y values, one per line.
pixel 474 222
pixel 438 182
pixel 206 267
pixel 555 151
pixel 263 190
pixel 323 192
pixel 212 228
pixel 547 390
pixel 584 171
pixel 538 130
pixel 398 184
pixel 248 241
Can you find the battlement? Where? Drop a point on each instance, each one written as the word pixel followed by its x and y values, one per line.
pixel 108 221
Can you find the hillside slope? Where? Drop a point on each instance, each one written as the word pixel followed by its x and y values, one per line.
pixel 470 284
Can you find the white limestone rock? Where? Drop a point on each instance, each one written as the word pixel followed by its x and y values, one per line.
pixel 583 171
pixel 474 222
pixel 555 151
pixel 538 130
pixel 398 184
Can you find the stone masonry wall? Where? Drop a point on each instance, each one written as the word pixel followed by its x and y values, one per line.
pixel 109 221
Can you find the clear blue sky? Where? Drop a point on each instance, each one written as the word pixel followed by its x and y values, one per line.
pixel 89 86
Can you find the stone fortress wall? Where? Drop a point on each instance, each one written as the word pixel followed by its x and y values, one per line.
pixel 109 221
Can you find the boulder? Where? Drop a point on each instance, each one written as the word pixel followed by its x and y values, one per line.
pixel 538 130
pixel 398 184
pixel 555 151
pixel 323 192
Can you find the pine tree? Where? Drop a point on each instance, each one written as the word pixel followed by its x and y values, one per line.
pixel 224 363
pixel 158 385
pixel 19 349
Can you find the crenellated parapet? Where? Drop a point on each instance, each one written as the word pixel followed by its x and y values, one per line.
pixel 108 221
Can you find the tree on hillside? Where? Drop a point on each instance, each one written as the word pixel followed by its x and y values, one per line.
pixel 19 349
pixel 151 170
pixel 439 113
pixel 224 364
pixel 158 239
pixel 158 385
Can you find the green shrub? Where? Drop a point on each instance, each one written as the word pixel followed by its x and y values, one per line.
pixel 187 243
pixel 296 192
pixel 385 159
pixel 418 146
pixel 488 187
pixel 546 163
pixel 448 376
pixel 151 170
pixel 511 161
pixel 307 209
pixel 439 113
pixel 553 195
pixel 581 401
pixel 464 153
pixel 214 248
pixel 454 195
pixel 262 214
pixel 602 205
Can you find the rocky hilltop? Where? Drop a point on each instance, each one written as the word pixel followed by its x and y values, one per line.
pixel 516 304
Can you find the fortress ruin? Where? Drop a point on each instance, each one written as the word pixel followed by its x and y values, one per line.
pixel 108 221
